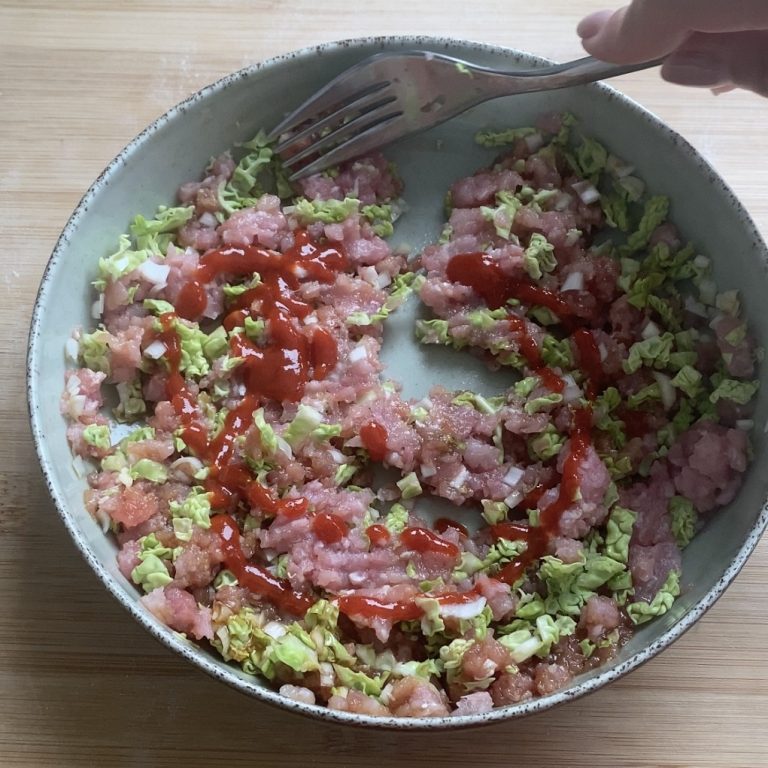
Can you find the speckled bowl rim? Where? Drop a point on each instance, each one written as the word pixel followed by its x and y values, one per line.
pixel 222 671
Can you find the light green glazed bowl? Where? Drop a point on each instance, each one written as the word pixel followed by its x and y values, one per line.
pixel 176 146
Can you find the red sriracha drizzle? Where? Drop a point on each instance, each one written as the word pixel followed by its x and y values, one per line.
pixel 442 524
pixel 374 438
pixel 591 363
pixel 485 277
pixel 278 370
pixel 371 607
pixel 329 528
pixel 252 576
pixel 424 540
pixel 537 537
pixel 378 534
pixel 481 273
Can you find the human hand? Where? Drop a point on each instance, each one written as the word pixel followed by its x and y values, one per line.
pixel 716 44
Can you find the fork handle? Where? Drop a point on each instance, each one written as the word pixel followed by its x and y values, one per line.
pixel 578 72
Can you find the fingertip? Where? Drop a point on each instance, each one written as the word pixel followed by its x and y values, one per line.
pixel 591 25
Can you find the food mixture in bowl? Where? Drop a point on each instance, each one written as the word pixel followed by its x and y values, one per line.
pixel 263 477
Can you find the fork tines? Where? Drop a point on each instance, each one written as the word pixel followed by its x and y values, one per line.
pixel 339 122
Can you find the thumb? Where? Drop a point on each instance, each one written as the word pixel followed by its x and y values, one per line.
pixel 718 60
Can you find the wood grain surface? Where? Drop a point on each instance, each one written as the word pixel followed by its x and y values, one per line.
pixel 80 683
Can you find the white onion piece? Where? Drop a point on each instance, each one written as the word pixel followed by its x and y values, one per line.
pixel 702 262
pixel 283 447
pixel 562 201
pixel 382 280
pixel 603 351
pixel 310 320
pixel 354 442
pixel 650 330
pixel 72 349
pixel 368 274
pixel 275 629
pixel 97 308
pixel 695 307
pixel 358 353
pixel 157 274
pixel 534 141
pixel 155 350
pixel 427 471
pixel 463 610
pixel 513 476
pixel 586 191
pixel 209 220
pixel 513 499
pixel 337 456
pixel 571 391
pixel 300 272
pixel 186 466
pixel 745 424
pixel 459 477
pixel 425 402
pixel 574 282
pixel 668 395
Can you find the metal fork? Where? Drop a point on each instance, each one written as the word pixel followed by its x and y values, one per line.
pixel 391 95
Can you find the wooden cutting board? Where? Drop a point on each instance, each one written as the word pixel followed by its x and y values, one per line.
pixel 81 684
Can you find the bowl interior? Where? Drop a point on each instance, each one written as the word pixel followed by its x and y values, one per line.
pixel 175 148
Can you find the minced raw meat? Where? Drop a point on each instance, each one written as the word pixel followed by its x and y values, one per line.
pixel 240 335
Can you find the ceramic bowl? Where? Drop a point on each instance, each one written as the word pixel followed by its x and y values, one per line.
pixel 175 147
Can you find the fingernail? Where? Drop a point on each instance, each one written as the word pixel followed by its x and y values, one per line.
pixel 590 25
pixel 696 68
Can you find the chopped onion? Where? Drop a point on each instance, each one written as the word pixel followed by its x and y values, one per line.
pixel 310 320
pixel 745 424
pixel 425 402
pixel 354 442
pixel 283 447
pixel 463 610
pixel 358 353
pixel 155 350
pixel 668 395
pixel 157 274
pixel 300 272
pixel 459 477
pixel 702 262
pixel 695 307
pixel 97 308
pixel 72 349
pixel 534 142
pixel 382 280
pixel 427 471
pixel 209 220
pixel 574 282
pixel 513 476
pixel 572 391
pixel 187 466
pixel 368 274
pixel 650 330
pixel 275 629
pixel 513 499
pixel 586 191
pixel 603 350
pixel 337 456
pixel 562 201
